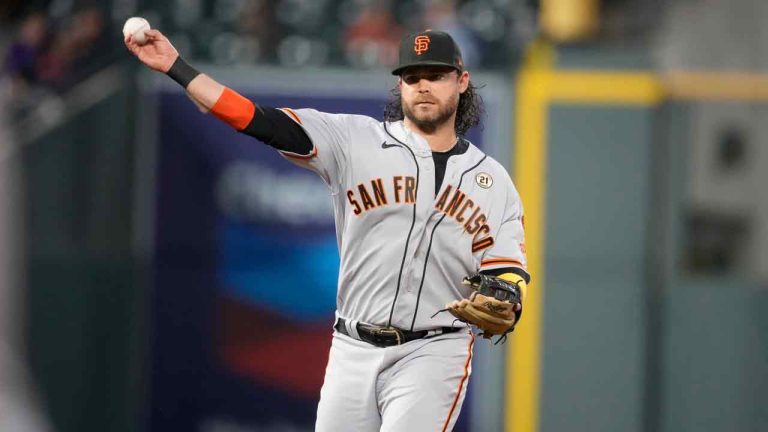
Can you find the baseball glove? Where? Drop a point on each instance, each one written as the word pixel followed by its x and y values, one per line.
pixel 494 306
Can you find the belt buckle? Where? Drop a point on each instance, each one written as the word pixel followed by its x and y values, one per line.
pixel 387 331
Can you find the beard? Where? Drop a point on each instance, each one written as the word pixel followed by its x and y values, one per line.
pixel 429 122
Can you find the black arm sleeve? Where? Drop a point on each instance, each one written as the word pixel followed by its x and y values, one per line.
pixel 276 129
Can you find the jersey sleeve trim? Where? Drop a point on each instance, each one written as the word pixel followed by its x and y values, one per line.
pixel 501 261
pixel 497 266
pixel 299 156
pixel 291 113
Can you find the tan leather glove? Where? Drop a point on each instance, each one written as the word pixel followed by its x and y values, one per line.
pixel 494 306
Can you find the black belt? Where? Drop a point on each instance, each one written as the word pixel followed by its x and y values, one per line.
pixel 389 336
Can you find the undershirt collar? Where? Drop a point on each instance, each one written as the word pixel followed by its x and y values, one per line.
pixel 441 160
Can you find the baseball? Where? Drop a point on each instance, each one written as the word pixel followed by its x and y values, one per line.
pixel 136 26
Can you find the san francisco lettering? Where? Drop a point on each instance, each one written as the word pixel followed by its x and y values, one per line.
pixel 454 203
pixel 367 196
pixel 467 213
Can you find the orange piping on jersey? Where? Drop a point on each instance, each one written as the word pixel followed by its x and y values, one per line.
pixel 233 109
pixel 461 383
pixel 496 261
pixel 291 113
pixel 298 156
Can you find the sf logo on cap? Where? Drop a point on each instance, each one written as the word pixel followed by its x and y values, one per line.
pixel 421 44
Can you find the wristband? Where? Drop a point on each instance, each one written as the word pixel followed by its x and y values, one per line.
pixel 182 72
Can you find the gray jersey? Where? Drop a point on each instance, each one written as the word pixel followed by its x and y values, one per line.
pixel 404 249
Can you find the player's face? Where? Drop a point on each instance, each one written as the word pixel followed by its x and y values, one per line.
pixel 430 95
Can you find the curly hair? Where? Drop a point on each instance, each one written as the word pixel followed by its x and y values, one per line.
pixel 468 112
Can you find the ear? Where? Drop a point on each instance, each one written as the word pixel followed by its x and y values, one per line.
pixel 463 82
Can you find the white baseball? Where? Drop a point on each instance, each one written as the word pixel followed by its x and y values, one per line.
pixel 136 26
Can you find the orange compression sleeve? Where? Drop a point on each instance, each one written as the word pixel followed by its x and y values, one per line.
pixel 233 109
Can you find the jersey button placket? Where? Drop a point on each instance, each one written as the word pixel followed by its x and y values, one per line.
pixel 423 209
pixel 413 276
pixel 416 261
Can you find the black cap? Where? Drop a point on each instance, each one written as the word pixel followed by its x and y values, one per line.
pixel 429 48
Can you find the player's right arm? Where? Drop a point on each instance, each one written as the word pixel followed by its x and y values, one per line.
pixel 273 127
pixel 160 55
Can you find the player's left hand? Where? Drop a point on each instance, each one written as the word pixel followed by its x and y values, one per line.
pixel 494 306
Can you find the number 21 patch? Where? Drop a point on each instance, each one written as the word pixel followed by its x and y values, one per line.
pixel 484 180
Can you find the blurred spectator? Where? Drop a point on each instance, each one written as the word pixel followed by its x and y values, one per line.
pixel 441 15
pixel 95 45
pixel 23 54
pixel 54 63
pixel 43 60
pixel 20 66
pixel 78 49
pixel 256 25
pixel 372 39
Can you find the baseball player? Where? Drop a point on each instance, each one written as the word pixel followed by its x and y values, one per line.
pixel 429 229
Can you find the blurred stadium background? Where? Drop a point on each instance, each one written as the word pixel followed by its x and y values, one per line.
pixel 148 255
